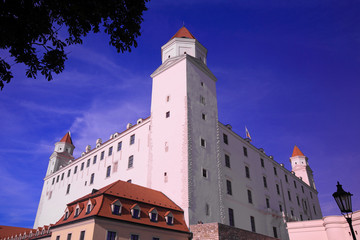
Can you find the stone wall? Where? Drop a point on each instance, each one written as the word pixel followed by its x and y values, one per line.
pixel 217 231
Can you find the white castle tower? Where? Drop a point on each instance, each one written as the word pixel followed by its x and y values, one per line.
pixel 182 149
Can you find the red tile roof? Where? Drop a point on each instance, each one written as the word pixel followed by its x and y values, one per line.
pixel 67 138
pixel 6 231
pixel 129 195
pixel 297 152
pixel 183 33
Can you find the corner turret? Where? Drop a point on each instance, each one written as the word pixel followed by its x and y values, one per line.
pixel 62 154
pixel 301 168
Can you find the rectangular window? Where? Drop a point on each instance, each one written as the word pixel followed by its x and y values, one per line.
pixel 227 161
pixel 265 182
pixel 75 170
pixel 134 237
pixel 231 217
pixel 302 189
pixel 275 232
pixel 247 172
pixel 57 237
pixel 277 189
pixel 203 116
pixel 82 235
pixel 131 161
pixel 298 201
pixel 314 209
pixel 295 184
pixel 132 139
pixel 275 171
pixel 280 208
pixel 88 208
pixel 110 151
pixel 225 137
pixel 202 100
pixel 228 187
pixel 119 146
pixel 108 171
pixel 301 217
pixel 69 236
pixel 249 196
pixel 267 203
pixel 95 158
pixel 155 238
pixel 62 176
pixel 111 235
pixel 68 189
pixel 167 115
pixel 245 151
pixel 92 178
pixel 202 142
pixel 286 178
pixel 262 162
pixel 102 154
pixel 289 195
pixel 68 175
pixel 53 181
pixel 82 166
pixel 88 163
pixel 204 172
pixel 292 212
pixel 311 195
pixel 252 221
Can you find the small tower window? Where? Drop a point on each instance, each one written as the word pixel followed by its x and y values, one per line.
pixel 167 114
pixel 68 189
pixel 132 139
pixel 108 171
pixel 131 161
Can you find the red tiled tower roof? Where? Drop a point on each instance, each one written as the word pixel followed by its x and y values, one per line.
pixel 183 33
pixel 67 138
pixel 297 152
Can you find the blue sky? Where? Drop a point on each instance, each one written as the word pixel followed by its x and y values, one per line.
pixel 288 70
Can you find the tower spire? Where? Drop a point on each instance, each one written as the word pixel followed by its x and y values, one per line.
pixel 67 138
pixel 297 152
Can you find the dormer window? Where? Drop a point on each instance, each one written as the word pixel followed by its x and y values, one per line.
pixel 153 215
pixel 88 208
pixel 135 211
pixel 67 212
pixel 116 207
pixel 78 209
pixel 169 218
pixel 90 205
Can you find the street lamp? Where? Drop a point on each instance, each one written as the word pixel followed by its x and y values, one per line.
pixel 343 200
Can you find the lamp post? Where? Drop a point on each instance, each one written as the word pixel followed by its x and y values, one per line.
pixel 343 200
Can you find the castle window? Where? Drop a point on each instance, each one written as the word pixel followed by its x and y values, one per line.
pixel 298 201
pixel 132 139
pixel 111 235
pixel 292 213
pixel 108 171
pixel 116 207
pixel 57 237
pixel 77 212
pixel 286 178
pixel 68 236
pixel 228 187
pixel 314 209
pixel 155 238
pixel 204 172
pixel 252 221
pixel 169 218
pixel 202 84
pixel 249 196
pixel 225 138
pixel 167 98
pixel 202 142
pixel 203 116
pixel 277 189
pixel 267 203
pixel 110 151
pixel 82 166
pixel 53 181
pixel 202 100
pixel 88 163
pixel 301 217
pixel 68 189
pixel 280 208
pixel 68 175
pixel 95 158
pixel 92 178
pixel 62 176
pixel 311 195
pixel 88 208
pixel 131 161
pixel 275 232
pixel 207 209
pixel 262 162
pixel 295 184
pixel 75 170
pixel 57 178
pixel 66 214
pixel 119 146
pixel 245 151
pixel 134 236
pixel 247 172
pixel 167 114
pixel 231 217
pixel 153 215
pixel 227 160
pixel 275 172
pixel 102 154
pixel 302 189
pixel 289 195
pixel 265 182
pixel 135 211
pixel 82 235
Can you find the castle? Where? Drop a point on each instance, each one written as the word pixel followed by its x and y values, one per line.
pixel 182 150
